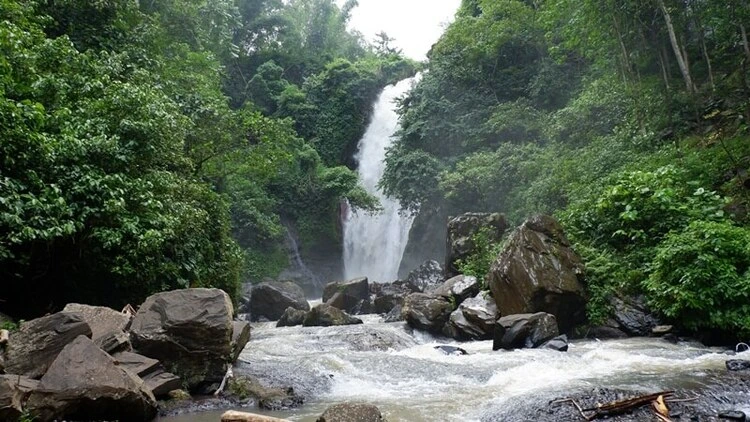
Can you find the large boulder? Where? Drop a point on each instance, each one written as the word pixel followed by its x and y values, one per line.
pixel 325 315
pixel 14 390
pixel 108 326
pixel 539 272
pixel 352 296
pixel 524 331
pixel 426 277
pixel 351 412
pixel 473 320
pixel 459 288
pixel 189 331
pixel 291 317
pixel 389 296
pixel 270 299
pixel 461 230
pixel 35 345
pixel 84 383
pixel 240 337
pixel 426 312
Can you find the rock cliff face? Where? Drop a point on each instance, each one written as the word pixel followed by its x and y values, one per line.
pixel 539 272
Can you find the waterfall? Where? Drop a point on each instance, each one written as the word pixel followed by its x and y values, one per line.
pixel 374 242
pixel 298 271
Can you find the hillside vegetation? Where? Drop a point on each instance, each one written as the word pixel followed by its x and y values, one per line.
pixel 626 119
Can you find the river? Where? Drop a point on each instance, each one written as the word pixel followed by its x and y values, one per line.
pixel 401 372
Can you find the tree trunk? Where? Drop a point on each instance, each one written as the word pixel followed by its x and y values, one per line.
pixel 744 41
pixel 664 65
pixel 627 67
pixel 678 52
pixel 704 48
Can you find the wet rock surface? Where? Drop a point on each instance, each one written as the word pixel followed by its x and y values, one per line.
pixel 325 315
pixel 458 288
pixel 389 296
pixel 352 412
pixel 352 296
pixel 720 393
pixel 426 277
pixel 524 331
pixel 539 272
pixel 240 337
pixel 270 299
pixel 291 317
pixel 426 312
pixel 633 316
pixel 461 229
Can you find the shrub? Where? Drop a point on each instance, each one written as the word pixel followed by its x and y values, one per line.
pixel 700 277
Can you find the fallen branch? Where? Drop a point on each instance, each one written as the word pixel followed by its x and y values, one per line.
pixel 615 407
pixel 574 404
pixel 227 376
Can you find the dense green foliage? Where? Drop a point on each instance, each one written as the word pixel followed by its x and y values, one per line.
pixel 147 146
pixel 628 120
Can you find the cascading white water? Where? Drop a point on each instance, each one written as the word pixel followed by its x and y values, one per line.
pixel 374 242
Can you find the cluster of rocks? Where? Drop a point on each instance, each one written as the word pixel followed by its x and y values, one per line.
pixel 285 302
pixel 95 363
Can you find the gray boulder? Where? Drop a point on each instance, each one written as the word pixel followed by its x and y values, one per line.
pixel 395 315
pixel 270 299
pixel 426 277
pixel 351 412
pixel 474 319
pixel 352 296
pixel 35 345
pixel 459 288
pixel 737 365
pixel 539 272
pixel 461 229
pixel 108 326
pixel 426 312
pixel 189 331
pixel 84 383
pixel 390 296
pixel 325 315
pixel 291 317
pixel 559 343
pixel 14 390
pixel 240 337
pixel 633 316
pixel 524 331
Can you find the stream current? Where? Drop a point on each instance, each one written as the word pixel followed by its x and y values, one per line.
pixel 401 372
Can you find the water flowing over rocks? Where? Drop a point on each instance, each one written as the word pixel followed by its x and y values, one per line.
pixel 352 412
pixel 325 315
pixel 426 277
pixel 352 296
pixel 524 331
pixel 539 272
pixel 84 383
pixel 189 331
pixel 461 229
pixel 270 299
pixel 35 345
pixel 426 312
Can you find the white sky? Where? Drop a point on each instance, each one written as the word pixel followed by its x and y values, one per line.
pixel 415 24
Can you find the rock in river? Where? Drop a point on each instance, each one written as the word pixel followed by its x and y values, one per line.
pixel 325 315
pixel 524 331
pixel 426 312
pixel 352 412
pixel 189 331
pixel 270 300
pixel 352 296
pixel 539 272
